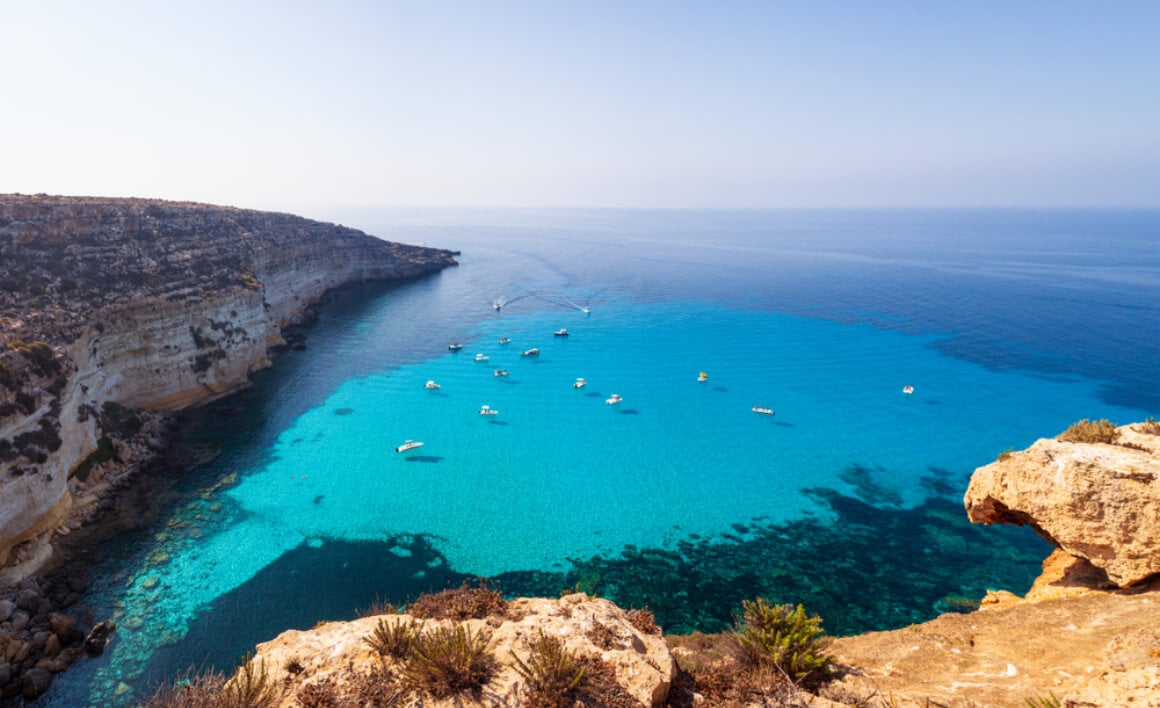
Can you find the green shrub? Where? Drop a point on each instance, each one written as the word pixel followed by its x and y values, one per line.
pixel 449 661
pixel 551 672
pixel 1048 701
pixel 394 639
pixel 784 637
pixel 1006 454
pixel 1088 431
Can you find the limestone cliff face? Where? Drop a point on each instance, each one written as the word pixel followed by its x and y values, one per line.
pixel 1096 501
pixel 112 310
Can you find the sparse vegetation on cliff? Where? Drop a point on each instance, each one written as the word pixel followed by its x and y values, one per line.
pixel 448 661
pixel 1090 431
pixel 552 673
pixel 462 603
pixel 394 639
pixel 783 637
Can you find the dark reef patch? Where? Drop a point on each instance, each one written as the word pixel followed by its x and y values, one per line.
pixel 343 411
pixel 872 567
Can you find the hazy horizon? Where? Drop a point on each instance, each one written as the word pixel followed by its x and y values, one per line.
pixel 308 108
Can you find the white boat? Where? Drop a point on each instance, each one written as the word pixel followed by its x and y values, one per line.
pixel 613 399
pixel 500 372
pixel 763 411
pixel 488 410
pixel 455 346
pixel 408 445
pixel 580 383
pixel 908 389
pixel 480 357
pixel 585 310
pixel 432 386
pixel 531 352
pixel 702 377
pixel 504 340
pixel 561 332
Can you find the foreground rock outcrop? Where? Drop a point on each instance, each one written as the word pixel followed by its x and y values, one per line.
pixel 1088 631
pixel 1096 501
pixel 333 658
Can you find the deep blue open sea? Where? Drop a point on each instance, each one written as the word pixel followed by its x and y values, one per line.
pixel 1010 325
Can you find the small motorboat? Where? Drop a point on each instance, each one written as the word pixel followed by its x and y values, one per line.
pixel 531 352
pixel 488 410
pixel 481 357
pixel 561 332
pixel 613 399
pixel 908 389
pixel 408 445
pixel 432 386
pixel 585 310
pixel 455 346
pixel 702 377
pixel 504 340
pixel 500 372
pixel 580 383
pixel 763 411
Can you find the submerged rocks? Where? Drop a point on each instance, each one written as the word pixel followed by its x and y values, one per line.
pixel 97 638
pixel 1096 501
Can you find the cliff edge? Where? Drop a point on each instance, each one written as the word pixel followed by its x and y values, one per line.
pixel 115 311
pixel 1087 633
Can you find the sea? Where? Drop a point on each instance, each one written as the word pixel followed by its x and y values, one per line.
pixel 680 498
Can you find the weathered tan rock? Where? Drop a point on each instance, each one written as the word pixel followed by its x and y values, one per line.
pixel 1095 501
pixel 1099 649
pixel 335 650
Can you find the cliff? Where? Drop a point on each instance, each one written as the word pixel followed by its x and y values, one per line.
pixel 1088 631
pixel 115 311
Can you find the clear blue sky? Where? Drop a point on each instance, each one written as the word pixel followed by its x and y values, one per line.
pixel 305 105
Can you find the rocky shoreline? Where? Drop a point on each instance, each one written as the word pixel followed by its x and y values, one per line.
pixel 114 315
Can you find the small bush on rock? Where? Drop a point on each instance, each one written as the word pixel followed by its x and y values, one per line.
pixel 784 637
pixel 394 639
pixel 552 673
pixel 1089 431
pixel 449 661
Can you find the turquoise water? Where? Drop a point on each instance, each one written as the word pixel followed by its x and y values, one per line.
pixel 1010 326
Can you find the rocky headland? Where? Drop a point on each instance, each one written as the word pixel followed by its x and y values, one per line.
pixel 114 313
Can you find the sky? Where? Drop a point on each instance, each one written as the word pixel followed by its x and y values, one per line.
pixel 301 106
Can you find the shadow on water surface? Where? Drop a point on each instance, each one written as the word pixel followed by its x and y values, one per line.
pixel 316 581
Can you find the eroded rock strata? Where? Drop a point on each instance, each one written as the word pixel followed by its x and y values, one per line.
pixel 116 311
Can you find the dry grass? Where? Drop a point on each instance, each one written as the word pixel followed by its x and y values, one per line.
pixel 462 603
pixel 644 621
pixel 1089 431
pixel 250 687
pixel 1149 427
